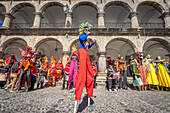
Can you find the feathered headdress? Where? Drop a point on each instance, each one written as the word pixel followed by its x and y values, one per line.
pixel 84 26
pixel 53 59
pixel 119 56
pixel 29 48
pixel 74 48
pixel 45 59
pixel 68 59
pixel 108 56
pixel 60 59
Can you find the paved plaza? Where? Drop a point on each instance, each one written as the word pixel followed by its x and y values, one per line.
pixel 53 100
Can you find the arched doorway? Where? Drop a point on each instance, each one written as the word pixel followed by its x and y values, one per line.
pixel 157 47
pixel 23 15
pixel 85 11
pixel 53 15
pixel 49 47
pixel 92 51
pixel 149 15
pixel 121 46
pixel 116 15
pixel 2 14
pixel 12 46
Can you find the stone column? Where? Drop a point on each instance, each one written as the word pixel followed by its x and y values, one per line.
pixel 7 20
pixel 134 20
pixel 101 19
pixel 166 17
pixel 102 61
pixel 68 22
pixel 65 56
pixel 37 20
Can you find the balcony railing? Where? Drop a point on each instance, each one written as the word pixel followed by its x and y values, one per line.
pixel 118 25
pixel 21 25
pixel 151 25
pixel 52 25
pixel 94 25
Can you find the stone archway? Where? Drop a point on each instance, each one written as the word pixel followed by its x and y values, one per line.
pixel 12 46
pixel 49 47
pixel 53 15
pixel 121 46
pixel 84 11
pixel 149 15
pixel 157 47
pixel 23 15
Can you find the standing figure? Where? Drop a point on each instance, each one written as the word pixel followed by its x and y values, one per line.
pixel 33 75
pixel 95 71
pixel 66 73
pixel 151 76
pixel 2 73
pixel 25 68
pixel 122 68
pixel 109 61
pixel 163 76
pixel 73 67
pixel 142 71
pixel 52 72
pixel 136 74
pixel 59 67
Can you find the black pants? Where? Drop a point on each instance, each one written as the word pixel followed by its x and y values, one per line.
pixel 125 83
pixel 41 83
pixel 33 79
pixel 95 80
pixel 64 79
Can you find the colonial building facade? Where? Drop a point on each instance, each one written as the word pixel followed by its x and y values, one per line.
pixel 123 27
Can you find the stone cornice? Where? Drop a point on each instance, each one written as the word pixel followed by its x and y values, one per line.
pixel 94 31
pixel 101 53
pixel 66 52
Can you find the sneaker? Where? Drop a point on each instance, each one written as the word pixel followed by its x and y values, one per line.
pixel 12 91
pixel 16 91
pixel 110 90
pixel 115 90
pixel 6 88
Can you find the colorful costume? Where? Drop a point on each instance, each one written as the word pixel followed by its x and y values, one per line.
pixel 95 71
pixel 73 66
pixel 85 73
pixel 52 72
pixel 122 68
pixel 66 72
pixel 135 72
pixel 59 67
pixel 151 76
pixel 142 69
pixel 25 68
pixel 163 77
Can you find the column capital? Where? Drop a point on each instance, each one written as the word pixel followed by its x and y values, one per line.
pixel 165 14
pixel 101 53
pixel 66 52
pixel 9 15
pixel 132 14
pixel 39 14
pixel 101 14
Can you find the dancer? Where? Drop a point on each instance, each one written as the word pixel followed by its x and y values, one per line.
pixel 85 73
pixel 59 67
pixel 163 76
pixel 66 73
pixel 142 71
pixel 122 68
pixel 135 72
pixel 25 68
pixel 151 76
pixel 73 67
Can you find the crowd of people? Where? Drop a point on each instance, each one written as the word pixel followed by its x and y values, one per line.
pixel 16 75
pixel 145 72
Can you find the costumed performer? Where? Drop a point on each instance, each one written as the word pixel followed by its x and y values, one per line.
pixel 59 67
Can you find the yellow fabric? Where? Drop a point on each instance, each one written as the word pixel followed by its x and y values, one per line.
pixel 151 76
pixel 163 76
pixel 27 64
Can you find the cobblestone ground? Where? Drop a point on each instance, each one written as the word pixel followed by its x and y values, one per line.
pixel 52 100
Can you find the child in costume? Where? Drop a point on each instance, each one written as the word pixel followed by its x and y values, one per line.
pixel 122 68
pixel 66 73
pixel 142 71
pixel 52 72
pixel 85 73
pixel 25 68
pixel 59 67
pixel 33 75
pixel 136 74
pixel 151 76
pixel 73 66
pixel 163 76
pixel 95 71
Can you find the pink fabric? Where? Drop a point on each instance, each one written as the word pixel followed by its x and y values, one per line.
pixel 143 74
pixel 73 72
